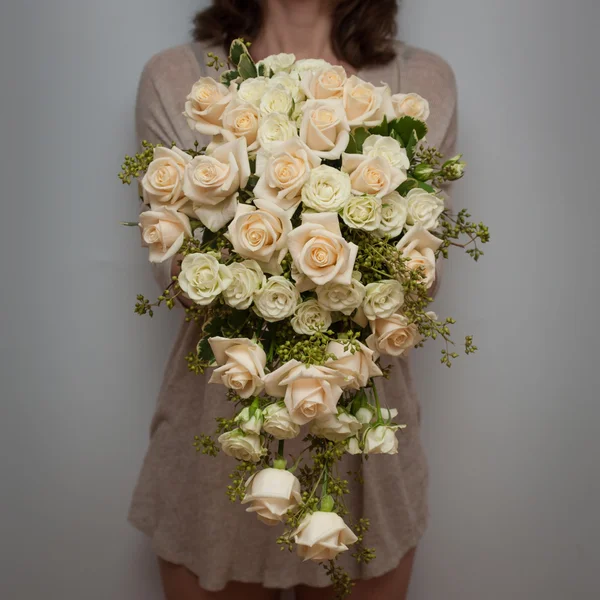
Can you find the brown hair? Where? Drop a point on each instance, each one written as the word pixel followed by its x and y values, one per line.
pixel 363 34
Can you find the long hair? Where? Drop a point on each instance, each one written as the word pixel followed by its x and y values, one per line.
pixel 363 34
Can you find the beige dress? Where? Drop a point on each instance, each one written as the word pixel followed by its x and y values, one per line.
pixel 179 500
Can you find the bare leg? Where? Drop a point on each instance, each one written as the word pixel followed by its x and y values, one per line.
pixel 391 586
pixel 180 583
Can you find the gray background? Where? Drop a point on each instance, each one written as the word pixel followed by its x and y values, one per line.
pixel 511 432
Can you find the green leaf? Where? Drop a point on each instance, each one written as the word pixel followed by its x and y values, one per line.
pixel 228 76
pixel 204 350
pixel 246 67
pixel 236 50
pixel 406 125
pixel 261 69
pixel 382 128
pixel 426 187
pixel 357 139
pixel 407 185
pixel 412 143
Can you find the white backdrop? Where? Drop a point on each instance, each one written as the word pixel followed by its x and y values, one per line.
pixel 510 432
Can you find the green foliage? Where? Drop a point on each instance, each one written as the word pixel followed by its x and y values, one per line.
pixel 407 128
pixel 455 228
pixel 228 76
pixel 206 445
pixel 134 166
pixel 237 49
pixel 247 67
pixel 357 139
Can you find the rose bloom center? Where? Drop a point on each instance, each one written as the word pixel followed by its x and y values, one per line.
pixel 165 176
pixel 323 117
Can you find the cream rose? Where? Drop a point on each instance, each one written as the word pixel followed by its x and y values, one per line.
pixel 388 148
pixel 284 174
pixel 278 62
pixel 319 250
pixel 163 232
pixel 260 234
pixel 353 446
pixel 252 90
pixel 308 392
pixel 212 182
pixel 308 64
pixel 242 446
pixel 419 246
pixel 394 210
pixel 290 83
pixel 324 127
pixel 410 105
pixel 272 492
pixel 336 428
pixel 248 421
pixel 273 129
pixel 373 176
pixel 383 298
pixel 310 317
pixel 341 297
pixel 240 119
pixel 365 415
pixel 324 83
pixel 241 365
pixel 276 100
pixel 278 423
pixel 247 279
pixel 205 105
pixel 322 536
pixel 365 104
pixel 362 212
pixel 393 336
pixel 163 182
pixel 327 189
pixel 277 299
pixel 424 208
pixel 203 278
pixel 357 368
pixel 381 440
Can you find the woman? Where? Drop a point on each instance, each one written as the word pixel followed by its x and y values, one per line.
pixel 207 547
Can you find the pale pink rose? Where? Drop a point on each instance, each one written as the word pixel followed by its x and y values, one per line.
pixel 205 105
pixel 326 82
pixel 163 232
pixel 240 119
pixel 162 183
pixel 393 336
pixel 410 105
pixel 322 536
pixel 374 176
pixel 324 127
pixel 356 368
pixel 419 245
pixel 365 104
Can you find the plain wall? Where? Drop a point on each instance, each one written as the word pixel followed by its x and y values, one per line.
pixel 511 432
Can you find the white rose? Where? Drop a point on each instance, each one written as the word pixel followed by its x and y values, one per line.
pixel 203 277
pixel 419 246
pixel 277 299
pixel 322 536
pixel 365 415
pixel 341 297
pixel 319 250
pixel 272 492
pixel 410 105
pixel 275 128
pixel 324 127
pixel 205 105
pixel 388 148
pixel 278 423
pixel 290 83
pixel 373 176
pixel 308 392
pixel 365 104
pixel 327 82
pixel 310 317
pixel 362 212
pixel 249 422
pixel 387 414
pixel 356 368
pixel 163 182
pixel 247 279
pixel 353 446
pixel 393 336
pixel 327 189
pixel 212 182
pixel 381 440
pixel 240 119
pixel 284 174
pixel 394 210
pixel 423 208
pixel 308 64
pixel 242 446
pixel 163 232
pixel 336 428
pixel 241 365
pixel 276 99
pixel 252 90
pixel 278 62
pixel 383 298
pixel 260 234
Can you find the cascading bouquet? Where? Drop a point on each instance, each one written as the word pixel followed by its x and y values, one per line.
pixel 308 232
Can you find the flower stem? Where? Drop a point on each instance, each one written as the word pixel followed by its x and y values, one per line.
pixel 325 482
pixel 377 403
pixel 280 448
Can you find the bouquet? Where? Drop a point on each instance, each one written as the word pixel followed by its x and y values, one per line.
pixel 308 232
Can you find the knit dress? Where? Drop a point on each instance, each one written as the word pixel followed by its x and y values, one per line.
pixel 179 500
